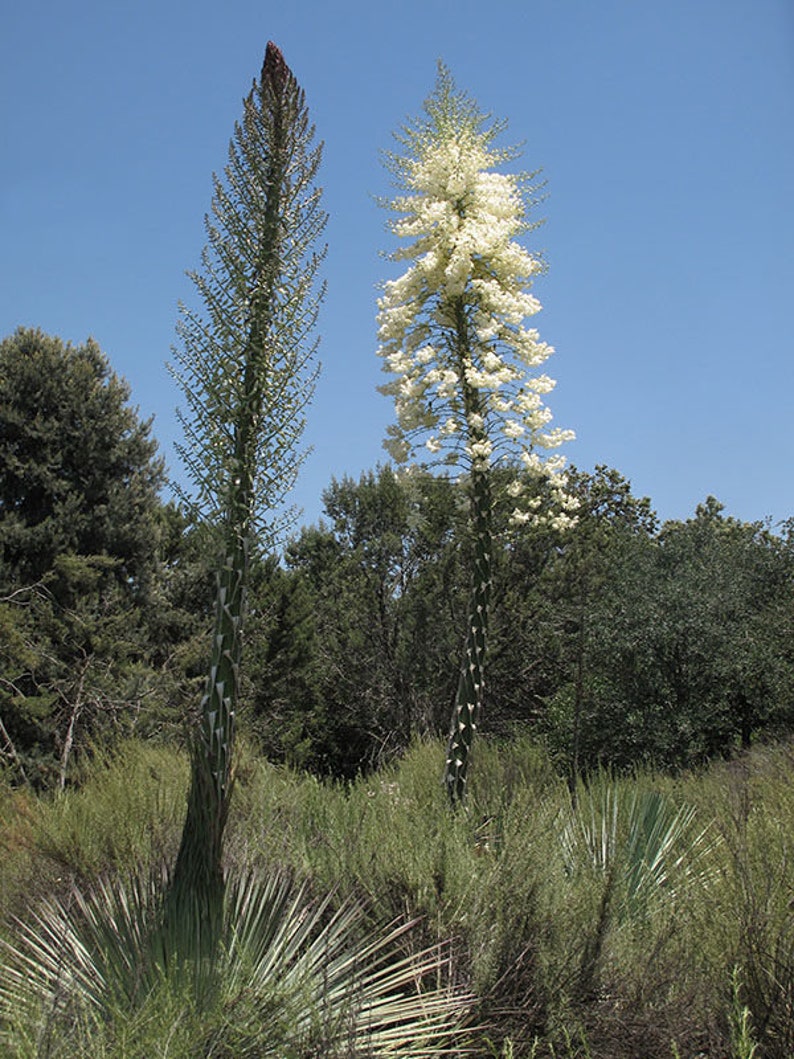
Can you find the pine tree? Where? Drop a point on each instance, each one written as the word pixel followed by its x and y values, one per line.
pixel 80 522
pixel 79 471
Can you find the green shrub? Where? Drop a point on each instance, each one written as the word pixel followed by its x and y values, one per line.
pixel 127 812
pixel 691 950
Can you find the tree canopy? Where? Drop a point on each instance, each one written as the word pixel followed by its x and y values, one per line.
pixel 78 468
pixel 80 529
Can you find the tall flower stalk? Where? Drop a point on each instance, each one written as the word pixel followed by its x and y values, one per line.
pixel 453 333
pixel 246 367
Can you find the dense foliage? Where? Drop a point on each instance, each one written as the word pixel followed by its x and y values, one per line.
pixel 85 612
pixel 78 469
pixel 652 921
pixel 623 642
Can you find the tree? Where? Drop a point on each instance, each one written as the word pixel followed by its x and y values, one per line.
pixel 608 517
pixel 384 578
pixel 725 662
pixel 246 368
pixel 452 331
pixel 676 642
pixel 282 671
pixel 78 468
pixel 80 520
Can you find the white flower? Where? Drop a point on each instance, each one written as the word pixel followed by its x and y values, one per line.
pixel 513 429
pixel 448 384
pixel 454 327
pixel 520 517
pixel 562 522
pixel 479 452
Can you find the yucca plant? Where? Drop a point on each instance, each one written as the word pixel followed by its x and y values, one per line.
pixel 289 978
pixel 643 848
pixel 246 369
pixel 452 330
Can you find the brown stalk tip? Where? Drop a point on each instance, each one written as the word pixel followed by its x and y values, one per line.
pixel 275 69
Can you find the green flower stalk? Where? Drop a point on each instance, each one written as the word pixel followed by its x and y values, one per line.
pixel 452 333
pixel 246 367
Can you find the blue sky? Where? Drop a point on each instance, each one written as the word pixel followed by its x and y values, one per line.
pixel 665 131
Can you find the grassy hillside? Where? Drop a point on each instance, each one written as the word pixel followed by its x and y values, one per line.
pixel 656 918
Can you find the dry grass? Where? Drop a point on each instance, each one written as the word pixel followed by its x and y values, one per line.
pixel 563 956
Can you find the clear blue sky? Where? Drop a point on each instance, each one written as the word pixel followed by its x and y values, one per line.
pixel 665 129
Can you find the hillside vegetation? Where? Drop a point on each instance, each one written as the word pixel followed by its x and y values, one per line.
pixel 654 919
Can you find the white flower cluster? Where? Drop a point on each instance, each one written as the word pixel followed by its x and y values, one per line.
pixel 452 328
